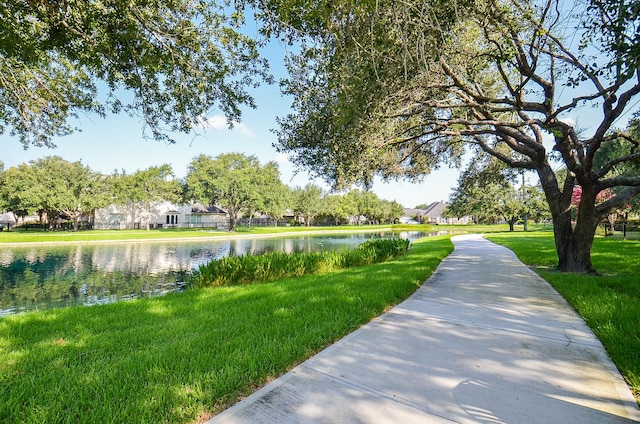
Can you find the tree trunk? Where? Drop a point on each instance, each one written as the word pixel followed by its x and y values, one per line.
pixel 573 245
pixel 232 222
pixel 149 217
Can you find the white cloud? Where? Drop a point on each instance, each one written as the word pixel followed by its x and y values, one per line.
pixel 219 123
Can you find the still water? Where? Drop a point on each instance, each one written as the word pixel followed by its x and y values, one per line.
pixel 43 277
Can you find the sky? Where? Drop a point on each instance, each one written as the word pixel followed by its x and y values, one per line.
pixel 117 143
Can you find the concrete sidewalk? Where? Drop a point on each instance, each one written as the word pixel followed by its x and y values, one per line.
pixel 484 340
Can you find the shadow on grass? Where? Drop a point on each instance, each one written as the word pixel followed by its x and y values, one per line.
pixel 185 356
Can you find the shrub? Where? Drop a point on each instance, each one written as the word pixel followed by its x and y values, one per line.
pixel 249 269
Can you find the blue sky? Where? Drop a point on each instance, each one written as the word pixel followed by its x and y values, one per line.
pixel 117 143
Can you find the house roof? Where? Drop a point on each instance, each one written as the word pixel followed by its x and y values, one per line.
pixel 435 209
pixel 200 208
pixel 414 212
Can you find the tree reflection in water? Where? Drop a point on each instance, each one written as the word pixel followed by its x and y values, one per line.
pixel 43 277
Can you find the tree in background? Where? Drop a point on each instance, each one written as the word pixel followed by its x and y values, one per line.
pixel 351 205
pixel 396 88
pixel 236 182
pixel 308 202
pixel 141 191
pixel 485 191
pixel 69 189
pixel 356 204
pixel 268 192
pixel 169 63
pixel 123 193
pixel 334 213
pixel 153 185
pixel 21 191
pixel 18 192
pixel 389 212
pixel 55 188
pixel 535 204
pixel 277 199
pixel 368 205
pixel 4 203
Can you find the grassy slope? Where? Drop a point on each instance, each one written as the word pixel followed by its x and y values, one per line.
pixel 185 356
pixel 610 303
pixel 37 236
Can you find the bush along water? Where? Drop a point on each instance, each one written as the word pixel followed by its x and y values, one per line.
pixel 249 269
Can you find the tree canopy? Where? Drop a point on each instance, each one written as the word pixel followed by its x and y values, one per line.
pixel 397 88
pixel 55 187
pixel 307 202
pixel 235 181
pixel 169 63
pixel 139 191
pixel 487 191
pixel 59 190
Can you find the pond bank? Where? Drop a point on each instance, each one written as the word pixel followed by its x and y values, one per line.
pixel 214 235
pixel 43 275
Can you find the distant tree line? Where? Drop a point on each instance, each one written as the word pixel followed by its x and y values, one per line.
pixel 487 191
pixel 58 190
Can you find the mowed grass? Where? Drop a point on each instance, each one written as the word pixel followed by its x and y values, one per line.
pixel 38 236
pixel 19 235
pixel 609 303
pixel 186 356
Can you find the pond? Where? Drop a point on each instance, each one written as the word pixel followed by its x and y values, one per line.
pixel 50 276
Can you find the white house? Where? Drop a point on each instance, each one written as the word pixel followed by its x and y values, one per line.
pixel 161 215
pixel 432 214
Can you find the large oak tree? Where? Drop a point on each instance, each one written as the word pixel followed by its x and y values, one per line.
pixel 53 187
pixel 169 62
pixel 234 181
pixel 141 191
pixel 396 88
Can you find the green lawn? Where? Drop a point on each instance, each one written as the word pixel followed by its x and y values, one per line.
pixel 610 303
pixel 31 236
pixel 21 236
pixel 185 356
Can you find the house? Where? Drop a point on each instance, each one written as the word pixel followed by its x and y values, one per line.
pixel 7 220
pixel 432 214
pixel 161 215
pixel 206 217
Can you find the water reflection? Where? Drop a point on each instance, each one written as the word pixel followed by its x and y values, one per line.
pixel 42 277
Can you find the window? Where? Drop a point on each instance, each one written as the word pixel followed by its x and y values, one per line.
pixel 171 219
pixel 193 219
